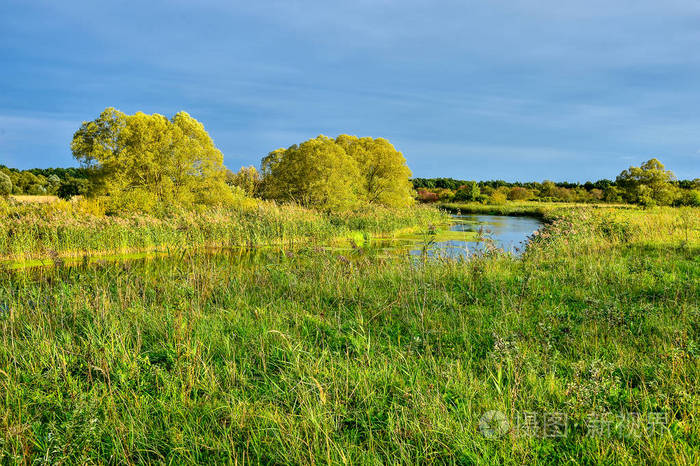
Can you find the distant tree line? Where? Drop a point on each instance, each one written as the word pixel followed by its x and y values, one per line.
pixel 143 162
pixel 454 184
pixel 647 185
pixel 64 182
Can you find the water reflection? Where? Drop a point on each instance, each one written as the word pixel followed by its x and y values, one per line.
pixel 481 232
pixel 469 234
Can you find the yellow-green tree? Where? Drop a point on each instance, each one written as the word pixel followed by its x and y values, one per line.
pixel 142 160
pixel 338 173
pixel 385 177
pixel 5 185
pixel 549 189
pixel 316 173
pixel 518 193
pixel 649 184
pixel 247 178
pixel 469 191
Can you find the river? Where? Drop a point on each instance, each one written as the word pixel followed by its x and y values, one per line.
pixel 471 234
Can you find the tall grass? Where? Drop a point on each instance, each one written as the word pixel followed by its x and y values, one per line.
pixel 65 229
pixel 309 357
pixel 544 210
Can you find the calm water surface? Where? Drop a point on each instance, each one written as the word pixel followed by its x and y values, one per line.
pixel 504 232
pixel 468 234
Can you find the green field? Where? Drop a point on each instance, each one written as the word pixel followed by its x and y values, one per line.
pixel 316 355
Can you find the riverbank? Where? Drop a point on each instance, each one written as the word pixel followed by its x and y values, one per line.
pixel 60 231
pixel 541 210
pixel 309 357
pixel 629 224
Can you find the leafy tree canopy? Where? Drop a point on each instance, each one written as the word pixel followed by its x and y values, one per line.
pixel 337 174
pixel 142 159
pixel 468 192
pixel 247 179
pixel 385 177
pixel 5 185
pixel 649 184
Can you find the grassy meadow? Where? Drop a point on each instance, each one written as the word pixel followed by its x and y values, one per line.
pixel 324 356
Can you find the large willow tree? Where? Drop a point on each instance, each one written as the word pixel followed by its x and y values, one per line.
pixel 337 174
pixel 315 173
pixel 384 176
pixel 141 160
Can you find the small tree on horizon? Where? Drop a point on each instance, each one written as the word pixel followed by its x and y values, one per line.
pixel 5 185
pixel 247 178
pixel 468 192
pixel 647 185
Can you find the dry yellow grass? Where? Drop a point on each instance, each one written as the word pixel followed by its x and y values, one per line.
pixel 35 199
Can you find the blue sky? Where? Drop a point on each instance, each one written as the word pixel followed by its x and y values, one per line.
pixel 525 90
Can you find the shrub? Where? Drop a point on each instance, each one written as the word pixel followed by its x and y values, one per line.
pixel 427 196
pixel 72 187
pixel 498 198
pixel 689 198
pixel 36 190
pixel 612 194
pixel 5 185
pixel 467 192
pixel 517 193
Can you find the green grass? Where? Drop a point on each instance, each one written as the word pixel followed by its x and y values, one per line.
pixel 543 210
pixel 317 356
pixel 39 233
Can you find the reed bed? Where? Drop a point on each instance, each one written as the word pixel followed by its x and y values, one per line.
pixel 64 229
